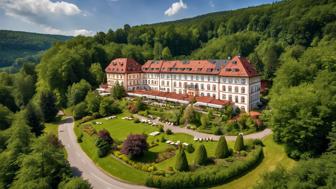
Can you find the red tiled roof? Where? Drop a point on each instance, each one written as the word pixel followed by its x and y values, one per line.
pixel 239 66
pixel 123 65
pixel 185 97
pixel 179 66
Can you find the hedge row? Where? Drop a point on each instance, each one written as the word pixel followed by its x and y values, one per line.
pixel 207 177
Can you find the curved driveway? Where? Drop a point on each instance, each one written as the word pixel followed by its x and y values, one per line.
pixel 82 165
pixel 175 129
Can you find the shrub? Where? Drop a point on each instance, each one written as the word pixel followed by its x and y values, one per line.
pixel 190 148
pixel 181 163
pixel 218 131
pixel 105 135
pixel 103 147
pixel 201 157
pixel 161 129
pixel 136 120
pixel 80 138
pixel 239 144
pixel 79 110
pixel 135 145
pixel 214 175
pixel 222 150
pixel 257 142
pixel 87 118
pixel 163 139
pixel 169 132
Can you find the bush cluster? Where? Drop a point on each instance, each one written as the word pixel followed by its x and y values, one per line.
pixel 141 166
pixel 206 177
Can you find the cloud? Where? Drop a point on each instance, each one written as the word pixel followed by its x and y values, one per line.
pixel 175 8
pixel 76 32
pixel 45 14
pixel 211 4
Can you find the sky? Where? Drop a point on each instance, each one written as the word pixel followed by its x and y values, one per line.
pixel 86 17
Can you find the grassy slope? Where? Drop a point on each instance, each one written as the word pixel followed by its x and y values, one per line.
pixel 274 155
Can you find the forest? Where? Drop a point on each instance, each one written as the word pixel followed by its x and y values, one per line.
pixel 17 48
pixel 292 43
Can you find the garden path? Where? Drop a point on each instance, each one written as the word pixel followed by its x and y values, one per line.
pixel 196 134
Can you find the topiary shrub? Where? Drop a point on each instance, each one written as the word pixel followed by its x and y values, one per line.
pixel 190 148
pixel 201 157
pixel 181 163
pixel 222 149
pixel 80 138
pixel 169 132
pixel 239 144
pixel 218 131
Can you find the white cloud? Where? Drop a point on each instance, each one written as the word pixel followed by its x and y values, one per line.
pixel 212 4
pixel 175 8
pixel 76 32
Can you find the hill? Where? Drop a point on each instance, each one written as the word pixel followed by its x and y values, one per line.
pixel 17 44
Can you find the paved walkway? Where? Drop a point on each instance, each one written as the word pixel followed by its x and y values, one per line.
pixel 196 134
pixel 82 165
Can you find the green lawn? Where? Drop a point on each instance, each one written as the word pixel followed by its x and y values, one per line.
pixel 120 129
pixel 52 128
pixel 274 155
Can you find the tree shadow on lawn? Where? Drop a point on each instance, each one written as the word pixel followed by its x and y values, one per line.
pixel 148 157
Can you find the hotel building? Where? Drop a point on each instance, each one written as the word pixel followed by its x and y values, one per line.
pixel 235 81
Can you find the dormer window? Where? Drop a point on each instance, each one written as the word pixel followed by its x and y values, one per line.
pixel 234 62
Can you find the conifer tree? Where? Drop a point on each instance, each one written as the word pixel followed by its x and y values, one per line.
pixel 222 150
pixel 201 156
pixel 181 161
pixel 239 144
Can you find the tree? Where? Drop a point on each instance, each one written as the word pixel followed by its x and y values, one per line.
pixel 181 163
pixel 157 51
pixel 108 107
pixel 239 144
pixel 166 54
pixel 45 166
pixel 80 110
pixel 6 117
pixel 24 89
pixel 7 99
pixel 105 135
pixel 104 143
pixel 134 146
pixel 204 121
pixel 48 105
pixel 97 74
pixel 189 114
pixel 77 92
pixel 93 101
pixel 118 91
pixel 76 183
pixel 34 119
pixel 222 149
pixel 201 157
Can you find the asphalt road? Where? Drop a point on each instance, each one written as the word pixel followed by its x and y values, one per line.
pixel 82 165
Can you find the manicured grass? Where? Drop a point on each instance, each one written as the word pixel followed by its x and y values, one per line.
pixel 274 156
pixel 52 128
pixel 111 165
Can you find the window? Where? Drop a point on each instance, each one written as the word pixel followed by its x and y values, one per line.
pixel 230 89
pixel 208 94
pixel 230 97
pixel 202 86
pixel 243 81
pixel 202 94
pixel 236 89
pixel 223 96
pixel 167 83
pixel 180 84
pixel 242 90
pixel 230 80
pixel 223 88
pixel 197 77
pixel 202 78
pixel 208 87
pixel 236 99
pixel 214 87
pixel 214 78
pixel 242 99
pixel 162 82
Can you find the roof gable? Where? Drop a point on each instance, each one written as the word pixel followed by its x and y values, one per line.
pixel 123 65
pixel 238 66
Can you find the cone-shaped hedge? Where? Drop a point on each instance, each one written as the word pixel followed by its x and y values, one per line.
pixel 239 144
pixel 201 156
pixel 222 149
pixel 181 163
